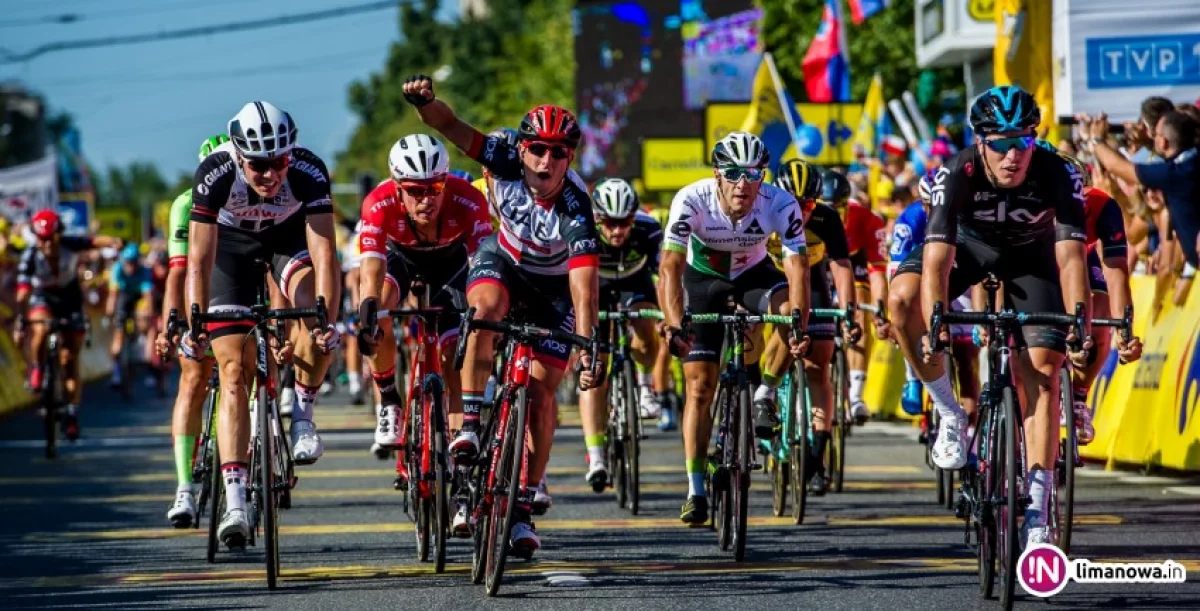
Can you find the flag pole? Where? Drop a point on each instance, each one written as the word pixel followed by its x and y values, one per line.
pixel 787 112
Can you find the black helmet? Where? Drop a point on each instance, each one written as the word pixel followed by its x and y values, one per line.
pixel 1006 108
pixel 800 178
pixel 835 188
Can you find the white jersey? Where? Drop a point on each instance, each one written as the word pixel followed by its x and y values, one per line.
pixel 718 246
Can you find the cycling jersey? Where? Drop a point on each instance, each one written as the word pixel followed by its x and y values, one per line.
pixel 720 247
pixel 865 238
pixel 907 234
pixel 177 229
pixel 547 237
pixel 220 193
pixel 138 283
pixel 461 225
pixel 36 272
pixel 350 253
pixel 825 236
pixel 640 247
pixel 1104 223
pixel 1048 206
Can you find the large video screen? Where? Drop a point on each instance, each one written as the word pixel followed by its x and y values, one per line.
pixel 631 82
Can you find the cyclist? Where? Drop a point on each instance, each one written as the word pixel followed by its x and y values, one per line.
pixel 128 282
pixel 485 181
pixel 1007 207
pixel 908 235
pixel 260 196
pixel 421 221
pixel 1108 277
pixel 48 288
pixel 715 249
pixel 665 362
pixel 828 254
pixel 193 377
pixel 866 235
pixel 629 244
pixel 351 255
pixel 545 257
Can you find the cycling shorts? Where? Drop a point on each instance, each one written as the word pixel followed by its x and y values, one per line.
pixel 820 297
pixel 61 303
pixel 126 307
pixel 542 300
pixel 638 288
pixel 236 277
pixel 1096 273
pixel 447 289
pixel 858 261
pixel 1030 277
pixel 705 294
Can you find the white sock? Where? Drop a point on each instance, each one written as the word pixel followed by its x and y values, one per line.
pixel 942 392
pixel 355 384
pixel 696 484
pixel 183 488
pixel 1039 480
pixel 858 379
pixel 645 378
pixel 596 454
pixel 910 374
pixel 306 400
pixel 763 392
pixel 378 409
pixel 235 486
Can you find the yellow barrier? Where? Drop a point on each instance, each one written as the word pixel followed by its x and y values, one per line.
pixel 97 364
pixel 885 381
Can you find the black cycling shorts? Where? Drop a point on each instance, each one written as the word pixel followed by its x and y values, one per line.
pixel 236 276
pixel 126 307
pixel 625 292
pixel 63 303
pixel 1030 277
pixel 539 299
pixel 705 294
pixel 447 288
pixel 858 261
pixel 820 297
pixel 1096 273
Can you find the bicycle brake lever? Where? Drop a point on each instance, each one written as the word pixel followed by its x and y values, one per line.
pixel 464 330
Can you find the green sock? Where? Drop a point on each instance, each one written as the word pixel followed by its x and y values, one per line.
pixel 595 441
pixel 696 465
pixel 771 381
pixel 185 446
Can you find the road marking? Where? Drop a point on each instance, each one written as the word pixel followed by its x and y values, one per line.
pixel 1188 490
pixel 564 579
pixel 1084 520
pixel 1149 479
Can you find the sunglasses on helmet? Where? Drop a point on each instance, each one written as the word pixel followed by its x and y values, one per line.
pixel 736 173
pixel 262 165
pixel 419 190
pixel 539 149
pixel 1004 145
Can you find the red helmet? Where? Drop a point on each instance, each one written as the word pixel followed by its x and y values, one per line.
pixel 551 124
pixel 45 224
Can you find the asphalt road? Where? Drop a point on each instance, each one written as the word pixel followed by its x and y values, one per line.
pixel 89 530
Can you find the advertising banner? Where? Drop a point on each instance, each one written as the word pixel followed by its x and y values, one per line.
pixel 826 136
pixel 27 188
pixel 673 163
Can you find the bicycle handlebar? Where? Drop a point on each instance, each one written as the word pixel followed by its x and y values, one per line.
pixel 1004 317
pixel 258 314
pixel 620 315
pixel 1123 325
pixel 524 333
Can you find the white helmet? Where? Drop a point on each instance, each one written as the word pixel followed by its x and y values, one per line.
pixel 615 199
pixel 262 131
pixel 741 149
pixel 418 157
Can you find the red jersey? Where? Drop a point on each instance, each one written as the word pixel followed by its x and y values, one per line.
pixel 865 234
pixel 1104 223
pixel 463 221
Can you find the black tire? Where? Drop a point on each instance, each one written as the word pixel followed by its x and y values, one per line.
pixel 50 404
pixel 723 478
pixel 509 479
pixel 1070 446
pixel 479 477
pixel 781 474
pixel 633 445
pixel 740 482
pixel 270 498
pixel 204 465
pixel 441 463
pixel 947 483
pixel 987 488
pixel 801 445
pixel 841 426
pixel 423 507
pixel 942 492
pixel 1009 547
pixel 618 458
pixel 217 507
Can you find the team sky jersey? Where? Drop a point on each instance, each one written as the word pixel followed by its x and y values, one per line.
pixel 720 247
pixel 1048 206
pixel 908 234
pixel 462 224
pixel 37 272
pixel 548 237
pixel 1104 223
pixel 640 248
pixel 220 193
pixel 177 229
pixel 865 235
pixel 825 236
pixel 139 282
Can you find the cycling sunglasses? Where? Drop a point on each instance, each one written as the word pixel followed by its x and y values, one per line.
pixel 419 190
pixel 262 165
pixel 1004 145
pixel 615 223
pixel 736 173
pixel 557 151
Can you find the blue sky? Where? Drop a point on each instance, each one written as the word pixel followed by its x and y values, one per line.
pixel 157 101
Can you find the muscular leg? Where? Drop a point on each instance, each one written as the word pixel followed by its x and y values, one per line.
pixel 186 419
pixel 233 425
pixel 490 300
pixel 72 361
pixel 856 354
pixel 309 361
pixel 593 413
pixel 700 386
pixel 1037 370
pixel 543 412
pixel 36 349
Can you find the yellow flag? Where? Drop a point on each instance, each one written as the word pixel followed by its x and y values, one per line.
pixel 1022 54
pixel 869 123
pixel 772 115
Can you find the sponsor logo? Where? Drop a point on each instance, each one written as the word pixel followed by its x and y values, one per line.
pixel 755 228
pixel 369 242
pixel 216 173
pixel 369 228
pixel 482 227
pixel 572 201
pixel 489 148
pixel 381 204
pixel 554 345
pixel 1029 197
pixel 983 196
pixel 181 233
pixel 583 245
pixel 682 228
pixel 311 170
pixel 795 226
pixel 319 203
pixel 484 272
pixel 969 168
pixel 1020 215
pixel 1076 183
pixel 1189 385
pixel 938 193
pixel 522 364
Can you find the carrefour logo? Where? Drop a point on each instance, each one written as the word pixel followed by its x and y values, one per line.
pixel 1103 380
pixel 1189 381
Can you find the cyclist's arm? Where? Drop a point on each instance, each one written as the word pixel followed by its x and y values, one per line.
pixel 583 256
pixel 114 289
pixel 877 261
pixel 1070 248
pixel 681 222
pixel 211 185
pixel 941 234
pixel 320 229
pixel 25 270
pixel 825 224
pixel 1114 256
pixel 177 253
pixel 438 115
pixel 372 248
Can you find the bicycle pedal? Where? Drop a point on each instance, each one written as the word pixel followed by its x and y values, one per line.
pixel 400 484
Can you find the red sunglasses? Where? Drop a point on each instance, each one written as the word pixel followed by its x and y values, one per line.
pixel 419 190
pixel 539 149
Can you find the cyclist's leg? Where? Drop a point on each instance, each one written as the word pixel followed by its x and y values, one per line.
pixel 966 360
pixel 450 293
pixel 1082 377
pixel 488 292
pixel 593 407
pixel 69 306
pixel 354 359
pixel 120 313
pixel 186 424
pixel 392 289
pixel 764 290
pixel 856 353
pixel 639 293
pixel 664 377
pixel 38 314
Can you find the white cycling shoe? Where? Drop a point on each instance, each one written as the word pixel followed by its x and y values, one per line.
pixel 183 513
pixel 234 529
pixel 950 449
pixel 306 442
pixel 524 538
pixel 647 405
pixel 597 475
pixel 387 433
pixel 859 412
pixel 460 528
pixel 466 444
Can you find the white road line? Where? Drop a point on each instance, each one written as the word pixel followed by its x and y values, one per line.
pixel 565 579
pixel 164 441
pixel 893 429
pixel 1149 479
pixel 1099 473
pixel 1187 490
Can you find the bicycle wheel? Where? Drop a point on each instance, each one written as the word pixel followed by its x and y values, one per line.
pixel 740 483
pixel 217 508
pixel 508 480
pixel 478 493
pixel 1067 456
pixel 722 493
pixel 632 442
pixel 50 404
pixel 618 455
pixel 441 508
pixel 267 434
pixel 837 445
pixel 1008 537
pixel 986 490
pixel 203 464
pixel 801 445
